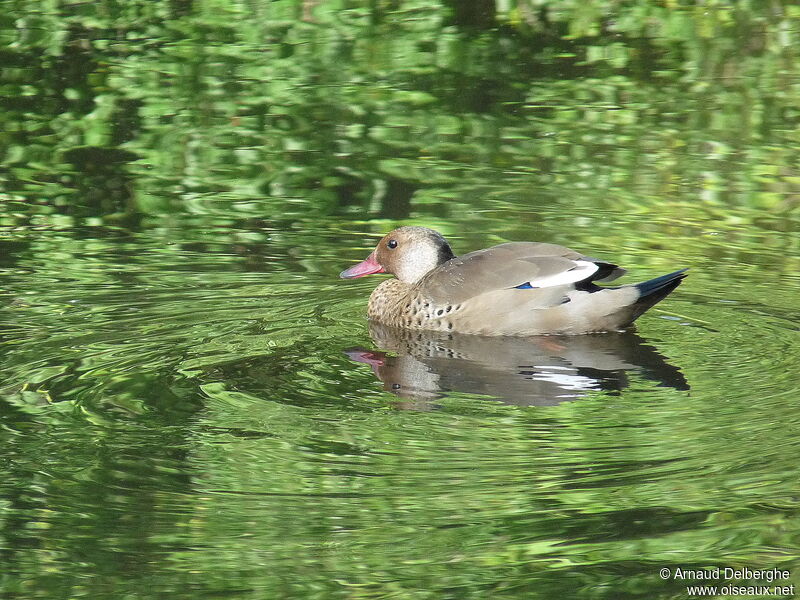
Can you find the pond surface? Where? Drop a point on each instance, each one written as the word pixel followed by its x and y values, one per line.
pixel 193 405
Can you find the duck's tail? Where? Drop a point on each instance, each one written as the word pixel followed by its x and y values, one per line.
pixel 655 290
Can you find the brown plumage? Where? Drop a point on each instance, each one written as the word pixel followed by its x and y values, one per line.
pixel 517 288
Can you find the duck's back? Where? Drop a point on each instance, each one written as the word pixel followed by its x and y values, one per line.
pixel 523 265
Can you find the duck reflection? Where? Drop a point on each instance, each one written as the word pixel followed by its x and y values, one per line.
pixel 531 371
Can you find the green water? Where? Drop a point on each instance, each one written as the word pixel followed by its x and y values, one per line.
pixel 192 404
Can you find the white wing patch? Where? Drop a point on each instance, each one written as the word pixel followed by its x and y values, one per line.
pixel 579 272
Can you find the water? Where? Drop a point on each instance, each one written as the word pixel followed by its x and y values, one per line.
pixel 192 404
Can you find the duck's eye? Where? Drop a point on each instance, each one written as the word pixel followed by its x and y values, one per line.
pixel 391 244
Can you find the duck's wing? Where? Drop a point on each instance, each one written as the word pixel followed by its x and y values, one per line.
pixel 521 265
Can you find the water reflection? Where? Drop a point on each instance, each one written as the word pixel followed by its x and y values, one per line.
pixel 532 371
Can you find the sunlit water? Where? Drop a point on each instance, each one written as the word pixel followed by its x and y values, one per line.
pixel 193 405
pixel 213 419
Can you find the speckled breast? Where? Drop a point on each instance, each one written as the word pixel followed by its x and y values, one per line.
pixel 401 305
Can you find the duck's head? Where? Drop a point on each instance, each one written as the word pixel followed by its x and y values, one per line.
pixel 408 253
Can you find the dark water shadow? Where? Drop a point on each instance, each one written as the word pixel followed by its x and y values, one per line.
pixel 422 366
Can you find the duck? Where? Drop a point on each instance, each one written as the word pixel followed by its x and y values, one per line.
pixel 512 289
